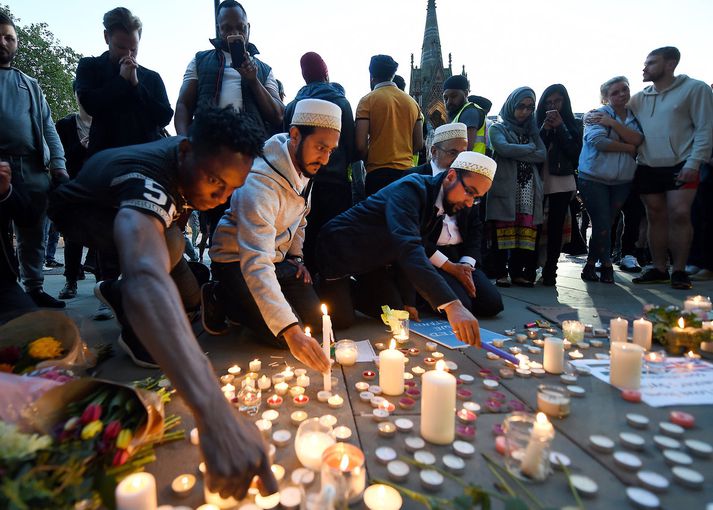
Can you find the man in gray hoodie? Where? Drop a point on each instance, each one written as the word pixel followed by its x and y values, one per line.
pixel 676 116
pixel 262 282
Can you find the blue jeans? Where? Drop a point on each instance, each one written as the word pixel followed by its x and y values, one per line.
pixel 603 203
pixel 51 240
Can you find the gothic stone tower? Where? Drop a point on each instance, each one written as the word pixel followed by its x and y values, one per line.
pixel 426 84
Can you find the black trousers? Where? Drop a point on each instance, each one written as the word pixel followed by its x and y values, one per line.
pixel 558 203
pixel 327 201
pixel 702 217
pixel 380 178
pixel 14 301
pixel 240 305
pixel 634 212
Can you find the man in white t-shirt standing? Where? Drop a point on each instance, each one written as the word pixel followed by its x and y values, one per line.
pixel 230 74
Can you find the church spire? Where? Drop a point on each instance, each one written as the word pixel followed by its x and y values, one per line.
pixel 431 57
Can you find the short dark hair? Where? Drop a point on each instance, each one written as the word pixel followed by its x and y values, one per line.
pixel 668 53
pixel 5 19
pixel 214 128
pixel 400 82
pixel 121 18
pixel 305 131
pixel 229 4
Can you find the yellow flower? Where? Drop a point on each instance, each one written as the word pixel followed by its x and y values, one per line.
pixel 92 429
pixel 124 438
pixel 45 348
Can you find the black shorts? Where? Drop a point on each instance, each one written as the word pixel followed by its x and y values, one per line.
pixel 660 179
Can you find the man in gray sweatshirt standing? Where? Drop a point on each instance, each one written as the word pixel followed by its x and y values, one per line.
pixel 256 253
pixel 30 144
pixel 676 116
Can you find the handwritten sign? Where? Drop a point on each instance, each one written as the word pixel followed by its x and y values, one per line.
pixel 682 383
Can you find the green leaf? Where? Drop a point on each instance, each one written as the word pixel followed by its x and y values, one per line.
pixel 515 504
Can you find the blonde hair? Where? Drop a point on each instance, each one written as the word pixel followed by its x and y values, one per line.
pixel 604 88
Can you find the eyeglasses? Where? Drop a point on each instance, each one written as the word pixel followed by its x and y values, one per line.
pixel 452 153
pixel 526 107
pixel 468 190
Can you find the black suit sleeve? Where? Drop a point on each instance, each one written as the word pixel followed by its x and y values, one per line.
pixel 151 93
pixel 404 210
pixel 99 98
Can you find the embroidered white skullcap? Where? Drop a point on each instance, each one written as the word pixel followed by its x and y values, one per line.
pixel 454 131
pixel 318 113
pixel 475 162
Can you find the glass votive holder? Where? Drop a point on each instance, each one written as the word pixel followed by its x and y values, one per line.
pixel 655 362
pixel 573 331
pixel 312 439
pixel 345 352
pixel 399 323
pixel 249 399
pixel 527 446
pixel 343 468
pixel 553 400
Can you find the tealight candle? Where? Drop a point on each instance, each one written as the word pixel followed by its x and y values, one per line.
pixel 328 420
pixel 195 437
pixel 136 492
pixel 472 406
pixel 277 378
pixel 182 485
pixel 431 480
pixel 376 390
pixel 264 426
pixel 278 471
pixel 282 388
pixel 463 449
pixel 227 378
pixel 264 382
pixel 300 400
pixel 335 401
pixel 274 401
pixel 406 403
pixel 465 416
pixel 431 346
pixel 296 391
pixel 365 396
pixel 281 437
pixel 368 374
pixel 271 415
pixel 414 351
pixel 418 370
pixel 342 433
pixel 521 338
pixel 323 395
pixel 361 386
pixel 377 401
pixel 380 414
pixel 430 361
pixel 382 497
pixel 696 304
pixel 255 365
pixel 290 498
pixel 380 346
pixel 302 476
pixel 234 370
pixel 506 373
pixel 288 374
pixel 267 502
pixel 302 380
pixel 404 425
pixel 398 470
pixel 386 429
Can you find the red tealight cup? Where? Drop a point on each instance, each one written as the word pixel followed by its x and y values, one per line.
pixel 410 384
pixel 368 374
pixel 493 406
pixel 300 400
pixel 465 432
pixel 414 393
pixel 633 396
pixel 496 395
pixel 274 401
pixel 485 373
pixel 464 394
pixel 413 351
pixel 404 351
pixel 430 361
pixel 407 403
pixel 685 420
pixel 467 417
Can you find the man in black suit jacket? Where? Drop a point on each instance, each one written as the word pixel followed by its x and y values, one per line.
pixel 455 249
pixel 393 227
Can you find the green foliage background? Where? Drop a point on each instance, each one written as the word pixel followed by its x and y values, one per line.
pixel 41 56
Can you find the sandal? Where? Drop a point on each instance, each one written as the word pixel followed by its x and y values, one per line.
pixel 589 273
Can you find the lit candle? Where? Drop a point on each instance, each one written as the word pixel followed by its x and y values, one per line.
pixel 345 352
pixel 382 497
pixel 573 331
pixel 297 417
pixel 554 355
pixel 264 382
pixel 697 304
pixel 533 459
pixel 618 330
pixel 335 401
pixel 137 492
pixel 296 390
pixel 311 444
pixel 326 344
pixel 234 370
pixel 182 485
pixel 642 333
pixel 274 401
pixel 265 427
pixel 255 365
pixel 438 403
pixel 391 370
pixel 303 381
pixel 288 374
pixel 281 388
pixel 343 469
pixel 625 370
pixel 576 354
pixel 300 400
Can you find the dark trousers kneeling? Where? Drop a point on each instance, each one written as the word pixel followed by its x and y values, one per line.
pixel 240 306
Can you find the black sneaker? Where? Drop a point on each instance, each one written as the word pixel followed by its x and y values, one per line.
pixel 680 280
pixel 212 310
pixel 135 349
pixel 51 263
pixel 589 273
pixel 107 292
pixel 44 300
pixel 69 291
pixel 653 275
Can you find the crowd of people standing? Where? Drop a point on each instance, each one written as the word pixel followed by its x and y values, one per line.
pixel 292 221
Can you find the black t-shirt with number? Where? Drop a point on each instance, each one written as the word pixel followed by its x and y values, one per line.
pixel 142 177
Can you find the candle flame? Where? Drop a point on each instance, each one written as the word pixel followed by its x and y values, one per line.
pixel 308 331
pixel 441 365
pixel 344 464
pixel 542 418
pixel 681 323
pixel 690 354
pixel 384 405
pixel 392 344
pixel 324 309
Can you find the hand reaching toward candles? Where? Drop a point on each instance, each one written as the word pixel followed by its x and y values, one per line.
pixel 464 324
pixel 306 349
pixel 234 452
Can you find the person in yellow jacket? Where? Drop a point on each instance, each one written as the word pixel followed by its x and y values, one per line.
pixel 459 109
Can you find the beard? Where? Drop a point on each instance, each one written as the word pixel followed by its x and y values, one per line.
pixel 7 57
pixel 303 165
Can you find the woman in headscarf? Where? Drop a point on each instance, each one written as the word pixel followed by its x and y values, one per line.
pixel 562 136
pixel 514 203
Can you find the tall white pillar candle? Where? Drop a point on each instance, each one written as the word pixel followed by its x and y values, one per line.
pixel 137 492
pixel 618 330
pixel 625 369
pixel 326 343
pixel 391 370
pixel 438 405
pixel 643 330
pixel 554 355
pixel 542 433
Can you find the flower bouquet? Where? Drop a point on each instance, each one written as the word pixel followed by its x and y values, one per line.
pixel 666 318
pixel 42 339
pixel 92 434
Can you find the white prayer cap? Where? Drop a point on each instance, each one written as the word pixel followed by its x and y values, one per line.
pixel 454 131
pixel 318 113
pixel 475 162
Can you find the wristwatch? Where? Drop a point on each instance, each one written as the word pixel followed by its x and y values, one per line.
pixel 298 259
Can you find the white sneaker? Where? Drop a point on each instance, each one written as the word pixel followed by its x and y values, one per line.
pixel 629 264
pixel 103 313
pixel 691 269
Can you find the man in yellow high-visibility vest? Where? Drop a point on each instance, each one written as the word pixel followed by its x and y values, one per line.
pixel 459 109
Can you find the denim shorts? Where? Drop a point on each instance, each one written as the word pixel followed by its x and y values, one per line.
pixel 649 179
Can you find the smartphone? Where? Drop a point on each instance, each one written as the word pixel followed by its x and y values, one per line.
pixel 237 52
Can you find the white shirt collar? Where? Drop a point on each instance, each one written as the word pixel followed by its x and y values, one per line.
pixel 384 84
pixel 435 169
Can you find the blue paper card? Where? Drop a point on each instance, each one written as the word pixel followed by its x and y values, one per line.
pixel 440 331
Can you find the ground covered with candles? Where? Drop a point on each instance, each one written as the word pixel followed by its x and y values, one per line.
pixel 581 412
